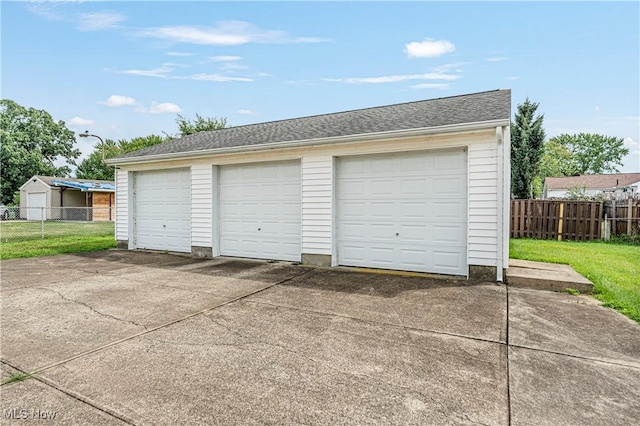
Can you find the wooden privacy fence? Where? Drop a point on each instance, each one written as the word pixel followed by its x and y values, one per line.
pixel 622 216
pixel 556 219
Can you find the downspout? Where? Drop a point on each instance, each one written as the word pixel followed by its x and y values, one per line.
pixel 500 215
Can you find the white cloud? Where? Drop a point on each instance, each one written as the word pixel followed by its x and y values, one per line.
pixel 456 66
pixel 441 86
pixel 395 78
pixel 180 54
pixel 224 58
pixel 428 48
pixel 99 21
pixel 212 77
pixel 118 100
pixel 79 121
pixel 232 66
pixel 160 72
pixel 159 108
pixel 245 111
pixel 226 33
pixel 497 59
pixel 512 78
pixel 263 74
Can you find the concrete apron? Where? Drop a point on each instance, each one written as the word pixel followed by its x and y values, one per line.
pixel 230 341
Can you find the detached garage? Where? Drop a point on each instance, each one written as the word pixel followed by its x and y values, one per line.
pixel 420 186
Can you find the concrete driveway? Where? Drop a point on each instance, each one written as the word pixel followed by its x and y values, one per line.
pixel 122 337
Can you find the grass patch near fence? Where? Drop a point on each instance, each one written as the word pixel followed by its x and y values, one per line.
pixel 24 239
pixel 613 268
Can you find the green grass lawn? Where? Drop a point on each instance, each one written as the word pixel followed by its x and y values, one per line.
pixel 613 268
pixel 24 239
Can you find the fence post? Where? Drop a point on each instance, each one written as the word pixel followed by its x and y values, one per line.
pixel 560 221
pixel 606 231
pixel 42 222
pixel 629 215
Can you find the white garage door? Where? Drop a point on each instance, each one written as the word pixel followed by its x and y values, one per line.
pixel 404 211
pixel 35 203
pixel 260 210
pixel 163 210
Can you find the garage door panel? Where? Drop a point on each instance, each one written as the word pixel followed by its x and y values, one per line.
pixel 381 231
pixel 291 189
pixel 403 211
pixel 415 163
pixel 291 210
pixel 449 161
pixel 414 210
pixel 260 214
pixel 414 186
pixel 382 187
pixel 449 210
pixel 381 209
pixel 448 186
pixel 450 260
pixel 448 234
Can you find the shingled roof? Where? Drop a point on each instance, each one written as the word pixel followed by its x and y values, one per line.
pixel 471 108
pixel 616 180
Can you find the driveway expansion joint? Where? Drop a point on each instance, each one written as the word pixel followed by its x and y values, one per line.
pixel 369 321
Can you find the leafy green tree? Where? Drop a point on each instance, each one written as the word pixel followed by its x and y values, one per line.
pixel 31 143
pixel 140 142
pixel 588 154
pixel 556 161
pixel 578 193
pixel 199 124
pixel 93 167
pixel 527 138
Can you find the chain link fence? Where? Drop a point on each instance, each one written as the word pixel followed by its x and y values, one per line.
pixel 31 223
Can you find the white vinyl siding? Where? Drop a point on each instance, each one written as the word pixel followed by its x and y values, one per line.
pixel 317 203
pixel 483 204
pixel 201 205
pixel 403 211
pixel 163 210
pixel 122 211
pixel 260 212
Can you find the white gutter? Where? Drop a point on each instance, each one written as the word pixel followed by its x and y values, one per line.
pixel 452 128
pixel 500 227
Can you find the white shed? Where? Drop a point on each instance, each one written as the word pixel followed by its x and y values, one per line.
pixel 419 186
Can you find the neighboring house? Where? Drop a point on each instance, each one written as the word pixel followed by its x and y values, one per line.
pixel 419 186
pixel 620 184
pixel 45 195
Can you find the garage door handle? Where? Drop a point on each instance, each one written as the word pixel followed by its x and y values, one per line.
pixel 259 229
pixel 397 234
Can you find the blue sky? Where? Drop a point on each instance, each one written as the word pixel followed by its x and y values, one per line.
pixel 125 69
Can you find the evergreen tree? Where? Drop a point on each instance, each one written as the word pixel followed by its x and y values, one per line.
pixel 527 139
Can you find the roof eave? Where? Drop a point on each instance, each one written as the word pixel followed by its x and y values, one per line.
pixel 452 128
pixel 31 179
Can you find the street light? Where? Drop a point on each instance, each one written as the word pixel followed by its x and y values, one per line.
pixel 86 134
